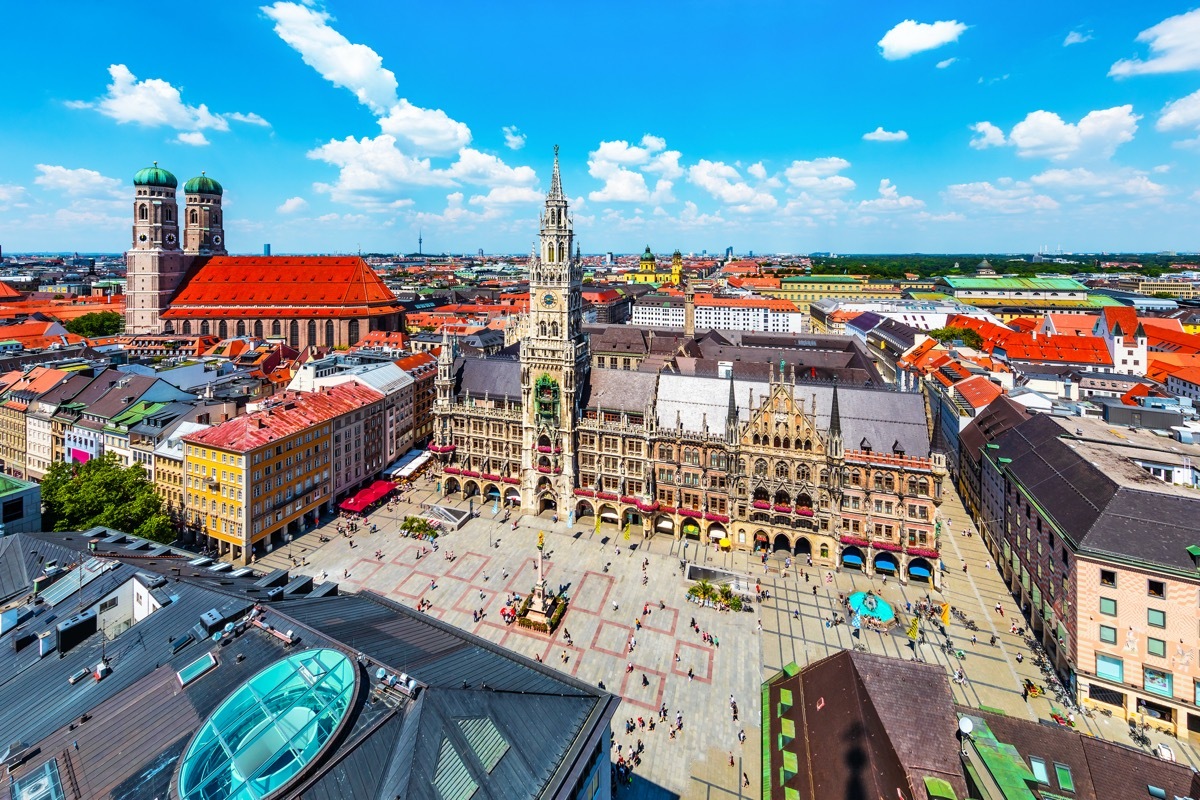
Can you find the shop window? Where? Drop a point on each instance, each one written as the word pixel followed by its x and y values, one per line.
pixel 1157 682
pixel 1110 668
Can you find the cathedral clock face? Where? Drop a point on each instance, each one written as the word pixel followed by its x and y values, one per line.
pixel 549 300
pixel 217 239
pixel 170 238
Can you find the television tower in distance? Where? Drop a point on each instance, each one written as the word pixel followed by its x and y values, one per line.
pixel 420 241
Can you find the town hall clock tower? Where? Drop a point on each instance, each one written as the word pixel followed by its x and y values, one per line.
pixel 554 359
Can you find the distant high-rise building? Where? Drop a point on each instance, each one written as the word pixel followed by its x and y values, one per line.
pixel 608 259
pixel 704 254
pixel 481 252
pixel 267 249
pixel 728 253
pixel 751 254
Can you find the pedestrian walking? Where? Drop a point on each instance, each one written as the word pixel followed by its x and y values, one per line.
pixel 745 779
pixel 690 674
pixel 731 758
pixel 645 680
pixel 742 736
pixel 972 640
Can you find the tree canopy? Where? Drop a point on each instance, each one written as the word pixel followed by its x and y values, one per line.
pixel 97 323
pixel 76 497
pixel 965 335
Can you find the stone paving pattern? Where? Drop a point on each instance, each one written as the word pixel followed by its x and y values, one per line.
pixel 695 764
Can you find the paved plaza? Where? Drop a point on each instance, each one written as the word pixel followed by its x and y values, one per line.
pixel 608 596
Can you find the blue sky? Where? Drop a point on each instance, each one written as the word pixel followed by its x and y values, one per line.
pixel 768 125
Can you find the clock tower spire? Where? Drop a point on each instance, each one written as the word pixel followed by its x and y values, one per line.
pixel 554 356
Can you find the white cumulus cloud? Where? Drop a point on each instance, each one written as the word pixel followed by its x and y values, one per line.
pixel 1181 113
pixel 341 62
pixel 890 199
pixel 249 119
pixel 621 166
pixel 880 135
pixel 1174 47
pixel 513 138
pixel 1123 182
pixel 151 102
pixel 987 135
pixel 428 130
pixel 1075 37
pixel 1010 197
pixel 292 205
pixel 11 195
pixel 78 182
pixel 911 37
pixel 194 138
pixel 726 184
pixel 819 176
pixel 1044 134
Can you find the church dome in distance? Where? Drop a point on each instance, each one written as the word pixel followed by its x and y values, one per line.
pixel 202 184
pixel 154 176
pixel 647 256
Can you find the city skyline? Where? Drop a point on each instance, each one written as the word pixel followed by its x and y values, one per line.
pixel 926 129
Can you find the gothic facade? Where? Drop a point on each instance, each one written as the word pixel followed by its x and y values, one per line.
pixel 761 462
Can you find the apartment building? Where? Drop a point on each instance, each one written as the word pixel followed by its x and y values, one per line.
pixel 255 480
pixel 15 399
pixel 1102 553
pixel 766 314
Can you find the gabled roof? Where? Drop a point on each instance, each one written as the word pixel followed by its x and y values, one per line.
pixel 283 286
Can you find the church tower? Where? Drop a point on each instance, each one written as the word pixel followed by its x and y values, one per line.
pixel 154 265
pixel 203 234
pixel 554 357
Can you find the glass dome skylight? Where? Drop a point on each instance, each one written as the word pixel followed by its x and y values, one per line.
pixel 269 729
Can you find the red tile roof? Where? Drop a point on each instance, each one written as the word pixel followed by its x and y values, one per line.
pixel 1024 346
pixel 1126 316
pixel 7 292
pixel 977 391
pixel 290 413
pixel 283 286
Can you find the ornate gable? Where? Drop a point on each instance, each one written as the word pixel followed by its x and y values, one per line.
pixel 783 424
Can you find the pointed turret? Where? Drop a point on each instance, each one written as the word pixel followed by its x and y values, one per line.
pixel 835 415
pixel 556 192
pixel 731 414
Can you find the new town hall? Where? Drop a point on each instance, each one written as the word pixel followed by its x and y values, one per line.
pixel 733 449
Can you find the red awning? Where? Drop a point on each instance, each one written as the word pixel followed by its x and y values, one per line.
pixel 372 494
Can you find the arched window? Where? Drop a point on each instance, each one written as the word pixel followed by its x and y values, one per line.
pixel 142 214
pixel 204 328
pixel 353 332
pixel 542 328
pixel 824 551
pixel 760 467
pixel 804 474
pixel 187 327
pixel 776 441
pixel 856 478
pixel 167 213
pixel 923 486
pixel 561 251
pixel 329 333
pixel 241 327
pixel 879 483
pixel 294 334
pixel 216 218
pixel 194 217
pixel 889 483
pixel 276 328
pixel 781 471
pixel 824 477
pixel 757 439
pixel 223 329
pixel 912 485
pixel 554 329
pixel 258 329
pixel 808 444
pixel 312 333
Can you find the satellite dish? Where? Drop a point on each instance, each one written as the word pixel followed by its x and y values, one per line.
pixel 966 726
